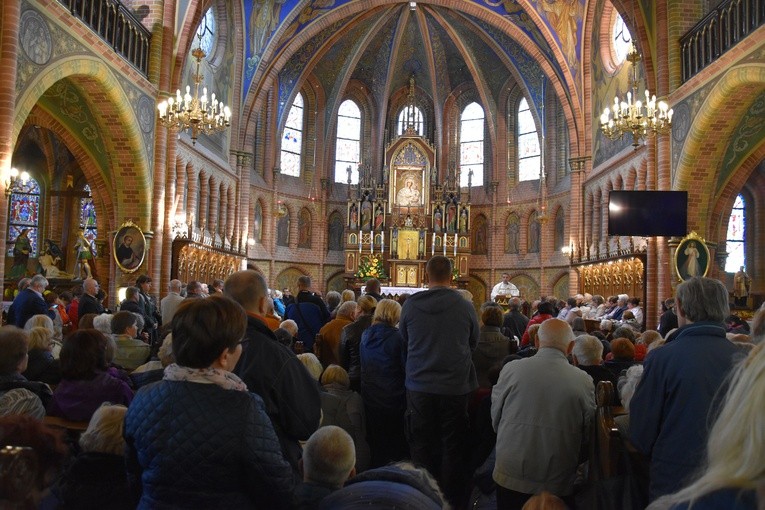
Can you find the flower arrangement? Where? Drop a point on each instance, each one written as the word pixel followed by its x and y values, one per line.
pixel 371 267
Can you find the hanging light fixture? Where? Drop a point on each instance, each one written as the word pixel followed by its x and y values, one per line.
pixel 635 117
pixel 200 114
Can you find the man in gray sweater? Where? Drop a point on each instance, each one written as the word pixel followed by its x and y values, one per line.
pixel 440 329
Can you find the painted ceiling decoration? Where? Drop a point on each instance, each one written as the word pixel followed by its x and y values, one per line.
pixel 443 47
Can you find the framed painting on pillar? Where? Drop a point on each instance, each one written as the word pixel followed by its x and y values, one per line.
pixel 691 257
pixel 129 247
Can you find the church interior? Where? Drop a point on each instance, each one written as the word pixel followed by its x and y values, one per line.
pixel 343 139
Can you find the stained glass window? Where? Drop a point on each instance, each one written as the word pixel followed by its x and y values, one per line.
pixel 622 40
pixel 23 214
pixel 471 144
pixel 292 139
pixel 735 240
pixel 529 153
pixel 348 144
pixel 411 115
pixel 88 218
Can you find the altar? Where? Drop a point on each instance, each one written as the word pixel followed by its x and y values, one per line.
pixel 402 216
pixel 395 292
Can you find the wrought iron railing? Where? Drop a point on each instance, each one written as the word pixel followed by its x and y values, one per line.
pixel 719 31
pixel 116 25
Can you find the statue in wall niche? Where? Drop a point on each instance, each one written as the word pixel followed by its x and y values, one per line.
pixel 463 220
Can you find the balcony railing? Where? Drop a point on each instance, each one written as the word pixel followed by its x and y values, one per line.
pixel 116 25
pixel 719 31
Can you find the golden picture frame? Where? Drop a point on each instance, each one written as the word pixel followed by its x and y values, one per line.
pixel 129 247
pixel 691 257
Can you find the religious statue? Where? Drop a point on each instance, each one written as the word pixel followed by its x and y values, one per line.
pixel 451 217
pixel 408 195
pixel 379 217
pixel 438 216
pixel 421 244
pixel 741 282
pixel 22 247
pixel 394 243
pixel 463 220
pixel 366 215
pixel 353 222
pixel 49 261
pixel 84 253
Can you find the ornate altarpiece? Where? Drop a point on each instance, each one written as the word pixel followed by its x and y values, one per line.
pixel 407 216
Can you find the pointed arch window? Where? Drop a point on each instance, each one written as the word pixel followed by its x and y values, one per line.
pixel 471 144
pixel 410 115
pixel 529 153
pixel 88 217
pixel 348 142
pixel 622 39
pixel 735 242
pixel 292 139
pixel 23 215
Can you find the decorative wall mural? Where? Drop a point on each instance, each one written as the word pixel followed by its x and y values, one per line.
pixel 512 233
pixel 283 231
pixel 534 234
pixel 335 232
pixel 35 37
pixel 304 229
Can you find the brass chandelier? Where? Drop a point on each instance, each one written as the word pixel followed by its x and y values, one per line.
pixel 635 117
pixel 199 114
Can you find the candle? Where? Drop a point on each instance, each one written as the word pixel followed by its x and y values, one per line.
pixel 382 244
pixel 444 244
pixel 359 242
pixel 455 245
pixel 433 244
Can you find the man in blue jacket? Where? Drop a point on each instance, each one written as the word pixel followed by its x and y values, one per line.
pixel 440 330
pixel 30 301
pixel 676 399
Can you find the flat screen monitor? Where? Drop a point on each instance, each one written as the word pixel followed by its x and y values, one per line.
pixel 648 213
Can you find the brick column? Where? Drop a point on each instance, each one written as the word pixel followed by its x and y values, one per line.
pixel 243 206
pixel 164 145
pixel 231 217
pixel 213 206
pixel 164 275
pixel 223 213
pixel 192 206
pixel 10 15
pixel 203 205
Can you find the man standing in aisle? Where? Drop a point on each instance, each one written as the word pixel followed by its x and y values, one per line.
pixel 677 396
pixel 440 330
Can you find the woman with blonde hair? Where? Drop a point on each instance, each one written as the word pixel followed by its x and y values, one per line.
pixel 735 457
pixel 383 359
pixel 97 477
pixel 41 365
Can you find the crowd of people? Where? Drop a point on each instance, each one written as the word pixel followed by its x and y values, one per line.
pixel 234 395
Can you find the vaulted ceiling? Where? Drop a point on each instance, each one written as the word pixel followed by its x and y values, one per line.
pixel 443 48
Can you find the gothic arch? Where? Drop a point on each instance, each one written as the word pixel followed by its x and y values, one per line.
pixel 129 164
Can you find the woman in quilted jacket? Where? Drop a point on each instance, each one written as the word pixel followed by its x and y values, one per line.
pixel 198 438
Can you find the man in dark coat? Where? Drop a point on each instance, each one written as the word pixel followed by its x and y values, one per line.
pixel 305 295
pixel 30 301
pixel 678 394
pixel 514 323
pixel 88 302
pixel 290 394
